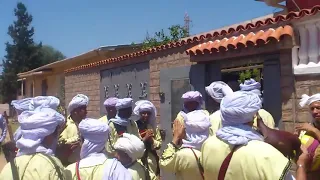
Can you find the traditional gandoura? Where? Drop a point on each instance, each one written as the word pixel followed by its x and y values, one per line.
pixel 94 161
pixel 110 102
pixel 311 143
pixel 183 161
pixel 20 106
pixel 70 133
pixel 151 147
pixel 134 148
pixel 217 91
pixel 120 125
pixel 237 110
pixel 34 160
pixel 191 96
pixel 253 86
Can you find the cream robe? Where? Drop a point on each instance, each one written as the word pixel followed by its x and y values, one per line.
pixel 70 135
pixel 90 168
pixel 104 119
pixel 132 128
pixel 35 167
pixel 138 172
pixel 256 160
pixel 216 123
pixel 157 141
pixel 182 162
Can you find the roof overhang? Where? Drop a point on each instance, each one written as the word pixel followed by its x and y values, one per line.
pixel 38 73
pixel 244 44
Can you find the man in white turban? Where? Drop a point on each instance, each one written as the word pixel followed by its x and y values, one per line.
pixel 44 101
pixel 35 159
pixel 253 86
pixel 149 132
pixel 122 123
pixel 94 161
pixel 237 139
pixel 310 132
pixel 217 91
pixel 182 154
pixel 129 149
pixel 110 105
pixel 69 140
pixel 20 106
pixel 192 100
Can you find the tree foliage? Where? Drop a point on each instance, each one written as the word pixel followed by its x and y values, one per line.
pixel 249 73
pixel 22 53
pixel 176 32
pixel 50 54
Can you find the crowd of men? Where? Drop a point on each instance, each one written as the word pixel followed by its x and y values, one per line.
pixel 226 144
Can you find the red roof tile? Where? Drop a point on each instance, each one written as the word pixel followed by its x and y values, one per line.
pixel 280 18
pixel 251 39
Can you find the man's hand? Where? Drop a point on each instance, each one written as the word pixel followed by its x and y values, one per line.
pixel 305 158
pixel 179 132
pixel 149 134
pixel 306 127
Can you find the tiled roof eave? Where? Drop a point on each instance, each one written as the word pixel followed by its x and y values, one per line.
pixel 240 28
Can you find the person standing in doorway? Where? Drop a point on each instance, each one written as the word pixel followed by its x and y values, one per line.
pixel 69 139
pixel 192 100
pixel 150 134
pixel 110 105
pixel 253 86
pixel 122 123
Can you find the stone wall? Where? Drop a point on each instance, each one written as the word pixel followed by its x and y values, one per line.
pixel 292 89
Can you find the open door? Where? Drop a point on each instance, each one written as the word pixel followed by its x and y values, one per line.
pixel 173 83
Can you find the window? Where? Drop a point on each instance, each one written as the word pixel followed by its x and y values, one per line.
pixel 31 90
pixel 44 87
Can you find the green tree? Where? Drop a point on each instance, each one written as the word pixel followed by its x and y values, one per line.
pixel 50 54
pixel 176 32
pixel 249 73
pixel 22 53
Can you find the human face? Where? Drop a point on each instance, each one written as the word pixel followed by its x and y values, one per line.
pixel 122 157
pixel 315 110
pixel 111 111
pixel 125 113
pixel 191 105
pixel 145 115
pixel 80 112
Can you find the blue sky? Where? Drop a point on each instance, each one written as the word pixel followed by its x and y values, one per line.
pixel 77 26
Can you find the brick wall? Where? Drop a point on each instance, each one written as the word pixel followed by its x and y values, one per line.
pixel 167 59
pixel 85 82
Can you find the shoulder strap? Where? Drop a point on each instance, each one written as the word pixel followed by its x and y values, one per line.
pixel 198 163
pixel 225 164
pixel 77 170
pixel 55 166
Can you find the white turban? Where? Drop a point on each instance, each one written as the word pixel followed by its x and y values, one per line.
pixel 35 126
pixel 45 101
pixel 236 110
pixel 145 105
pixel 131 145
pixel 239 108
pixel 218 90
pixel 17 134
pixel 22 104
pixel 3 126
pixel 307 100
pixel 124 103
pixel 112 101
pixel 251 85
pixel 192 96
pixel 197 124
pixel 95 134
pixel 78 101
